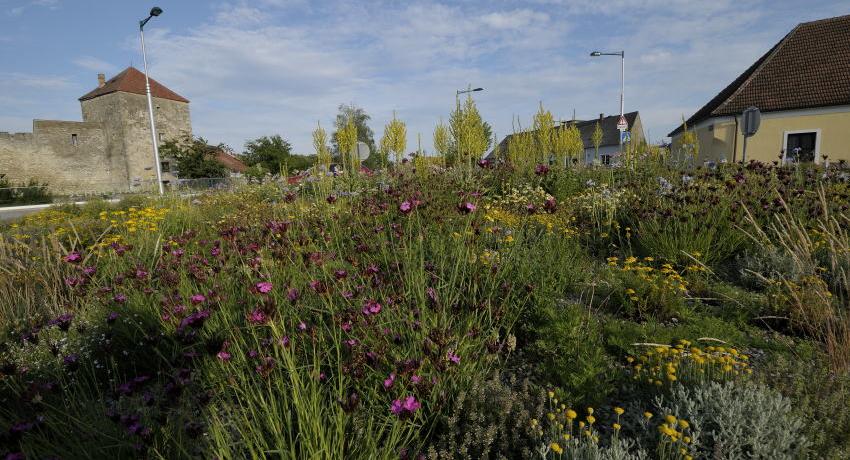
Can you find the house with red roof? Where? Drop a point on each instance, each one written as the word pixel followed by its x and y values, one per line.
pixel 802 88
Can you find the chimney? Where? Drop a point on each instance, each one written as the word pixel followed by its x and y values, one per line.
pixel 101 80
pixel 601 116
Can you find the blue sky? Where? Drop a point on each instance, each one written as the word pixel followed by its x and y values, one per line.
pixel 280 66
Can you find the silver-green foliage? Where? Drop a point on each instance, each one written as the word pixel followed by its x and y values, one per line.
pixel 733 421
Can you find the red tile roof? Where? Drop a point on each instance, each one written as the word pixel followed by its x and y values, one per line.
pixel 131 80
pixel 230 162
pixel 808 68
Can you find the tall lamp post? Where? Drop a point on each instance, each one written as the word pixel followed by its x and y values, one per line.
pixel 469 89
pixel 622 55
pixel 155 11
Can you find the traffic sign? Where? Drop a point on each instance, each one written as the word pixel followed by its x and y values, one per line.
pixel 622 124
pixel 625 137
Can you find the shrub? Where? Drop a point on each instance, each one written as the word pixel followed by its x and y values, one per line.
pixel 737 421
pixel 491 420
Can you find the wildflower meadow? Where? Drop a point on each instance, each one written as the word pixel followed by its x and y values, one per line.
pixel 516 308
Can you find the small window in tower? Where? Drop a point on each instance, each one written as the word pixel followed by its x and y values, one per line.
pixel 73 139
pixel 161 137
pixel 165 166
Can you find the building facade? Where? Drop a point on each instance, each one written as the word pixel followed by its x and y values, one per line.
pixel 802 88
pixel 110 150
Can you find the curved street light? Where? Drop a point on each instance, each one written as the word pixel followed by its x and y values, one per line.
pixel 155 11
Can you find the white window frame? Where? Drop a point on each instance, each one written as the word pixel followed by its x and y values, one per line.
pixel 785 135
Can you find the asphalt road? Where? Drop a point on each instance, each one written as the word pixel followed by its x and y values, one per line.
pixel 16 212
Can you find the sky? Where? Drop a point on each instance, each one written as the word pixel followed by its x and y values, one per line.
pixel 263 67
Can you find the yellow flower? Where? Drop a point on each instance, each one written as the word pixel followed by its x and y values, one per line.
pixel 590 411
pixel 684 424
pixel 556 448
pixel 591 419
pixel 619 410
pixel 648 415
pixel 571 414
pixel 616 426
pixel 630 291
pixel 670 419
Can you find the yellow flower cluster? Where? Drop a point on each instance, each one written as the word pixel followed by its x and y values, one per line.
pixel 682 360
pixel 675 441
pixel 134 219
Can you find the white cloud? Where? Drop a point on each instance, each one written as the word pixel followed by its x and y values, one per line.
pixel 515 19
pixel 95 64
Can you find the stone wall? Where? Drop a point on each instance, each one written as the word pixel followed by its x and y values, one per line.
pixel 67 155
pixel 109 151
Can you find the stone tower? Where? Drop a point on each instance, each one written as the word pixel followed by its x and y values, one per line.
pixel 121 105
pixel 110 150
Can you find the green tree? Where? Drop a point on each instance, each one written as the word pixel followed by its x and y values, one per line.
pixel 442 141
pixel 320 144
pixel 597 140
pixel 471 135
pixel 346 142
pixel 194 157
pixel 542 126
pixel 361 121
pixel 394 138
pixel 274 154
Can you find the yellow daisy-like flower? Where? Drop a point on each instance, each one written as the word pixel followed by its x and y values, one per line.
pixel 616 426
pixel 591 419
pixel 571 414
pixel 619 410
pixel 670 419
pixel 648 415
pixel 556 448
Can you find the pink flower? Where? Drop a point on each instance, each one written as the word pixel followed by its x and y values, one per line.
pixel 264 287
pixel 73 257
pixel 415 379
pixel 551 205
pixel 284 341
pixel 467 208
pixel 120 298
pixel 371 308
pixel 292 294
pixel 346 326
pixel 340 274
pixel 389 381
pixel 198 298
pixel 541 170
pixel 257 317
pixel 302 326
pixel 405 207
pixel 223 356
pixel 453 357
pixel 405 408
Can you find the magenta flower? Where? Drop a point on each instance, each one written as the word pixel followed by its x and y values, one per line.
pixel 223 356
pixel 119 298
pixel 257 317
pixel 541 170
pixel 292 294
pixel 371 307
pixel 466 208
pixel 346 326
pixel 551 205
pixel 405 207
pixel 302 326
pixel 284 341
pixel 331 199
pixel 453 357
pixel 415 379
pixel 389 381
pixel 340 274
pixel 405 408
pixel 73 257
pixel 264 287
pixel 198 298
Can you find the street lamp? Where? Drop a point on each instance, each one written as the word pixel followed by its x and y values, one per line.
pixel 622 55
pixel 469 89
pixel 155 11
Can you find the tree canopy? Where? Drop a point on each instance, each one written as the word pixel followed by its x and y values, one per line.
pixel 273 154
pixel 194 157
pixel 360 118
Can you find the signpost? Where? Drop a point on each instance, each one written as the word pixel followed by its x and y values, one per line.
pixel 622 124
pixel 625 137
pixel 750 122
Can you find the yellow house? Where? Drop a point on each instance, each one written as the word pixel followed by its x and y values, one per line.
pixel 801 86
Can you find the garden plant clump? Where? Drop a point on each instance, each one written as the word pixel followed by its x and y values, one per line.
pixel 510 309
